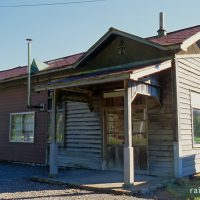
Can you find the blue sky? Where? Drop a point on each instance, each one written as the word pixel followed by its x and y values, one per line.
pixel 59 31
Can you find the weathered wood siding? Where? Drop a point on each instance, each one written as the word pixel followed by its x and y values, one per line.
pixel 161 129
pixel 83 136
pixel 108 54
pixel 188 79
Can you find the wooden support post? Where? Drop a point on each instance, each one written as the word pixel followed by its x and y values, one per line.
pixel 53 146
pixel 128 148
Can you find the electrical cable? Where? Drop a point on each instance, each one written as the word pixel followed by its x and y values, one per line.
pixel 49 4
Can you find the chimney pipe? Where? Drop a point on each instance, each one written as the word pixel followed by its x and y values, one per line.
pixel 161 32
pixel 29 72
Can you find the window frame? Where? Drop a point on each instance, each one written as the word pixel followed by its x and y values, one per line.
pixel 10 127
pixel 193 136
pixel 192 118
pixel 119 108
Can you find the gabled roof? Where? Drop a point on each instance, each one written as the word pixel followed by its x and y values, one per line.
pixel 180 39
pixel 172 40
pixel 53 64
pixel 176 37
pixel 111 32
pixel 65 61
pixel 18 71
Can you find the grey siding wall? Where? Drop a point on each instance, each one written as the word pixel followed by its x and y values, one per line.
pixel 161 124
pixel 83 136
pixel 188 79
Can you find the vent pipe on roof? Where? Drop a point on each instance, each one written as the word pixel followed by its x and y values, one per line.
pixel 162 32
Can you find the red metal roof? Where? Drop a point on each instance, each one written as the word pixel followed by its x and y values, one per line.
pixel 176 37
pixel 63 62
pixel 18 71
pixel 171 38
pixel 53 64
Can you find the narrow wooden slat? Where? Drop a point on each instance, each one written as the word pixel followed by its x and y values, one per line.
pixel 82 136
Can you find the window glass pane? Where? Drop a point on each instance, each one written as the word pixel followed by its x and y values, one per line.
pixel 196 125
pixel 16 136
pixel 114 139
pixel 138 114
pixel 22 127
pixel 28 118
pixel 139 139
pixel 17 119
pixel 139 126
pixel 49 104
pixel 28 136
pixel 114 119
pixel 60 127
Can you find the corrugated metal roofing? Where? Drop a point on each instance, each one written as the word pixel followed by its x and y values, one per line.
pixel 172 38
pixel 65 61
pixel 176 37
pixel 18 71
pixel 53 64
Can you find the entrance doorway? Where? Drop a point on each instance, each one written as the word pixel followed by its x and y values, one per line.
pixel 114 133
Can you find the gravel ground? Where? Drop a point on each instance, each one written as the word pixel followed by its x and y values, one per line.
pixel 15 184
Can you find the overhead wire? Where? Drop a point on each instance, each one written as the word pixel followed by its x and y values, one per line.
pixel 49 4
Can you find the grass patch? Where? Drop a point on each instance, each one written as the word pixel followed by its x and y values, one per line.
pixel 185 189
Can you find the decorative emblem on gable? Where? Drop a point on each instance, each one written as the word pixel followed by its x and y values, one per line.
pixel 122 47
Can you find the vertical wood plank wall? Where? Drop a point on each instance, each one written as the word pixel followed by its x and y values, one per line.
pixel 161 129
pixel 189 79
pixel 83 136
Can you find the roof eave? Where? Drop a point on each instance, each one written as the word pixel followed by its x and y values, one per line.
pixel 191 40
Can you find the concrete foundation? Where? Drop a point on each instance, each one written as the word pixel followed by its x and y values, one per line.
pixel 128 167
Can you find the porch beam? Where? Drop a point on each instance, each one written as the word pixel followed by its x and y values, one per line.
pixel 128 148
pixel 136 74
pixel 53 146
pixel 84 82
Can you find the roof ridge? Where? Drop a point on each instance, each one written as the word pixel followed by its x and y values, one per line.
pixel 172 32
pixel 63 57
pixel 184 29
pixel 13 68
pixel 10 69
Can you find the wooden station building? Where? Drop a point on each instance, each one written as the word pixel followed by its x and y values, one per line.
pixel 128 103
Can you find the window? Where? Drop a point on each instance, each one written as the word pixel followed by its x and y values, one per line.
pixel 114 119
pixel 196 125
pixel 139 126
pixel 22 127
pixel 195 103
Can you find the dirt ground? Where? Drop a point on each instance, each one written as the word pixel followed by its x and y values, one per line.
pixel 15 183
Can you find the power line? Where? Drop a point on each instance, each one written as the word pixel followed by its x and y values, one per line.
pixel 49 4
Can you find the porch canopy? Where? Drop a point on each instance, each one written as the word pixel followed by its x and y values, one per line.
pixel 138 79
pixel 132 71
